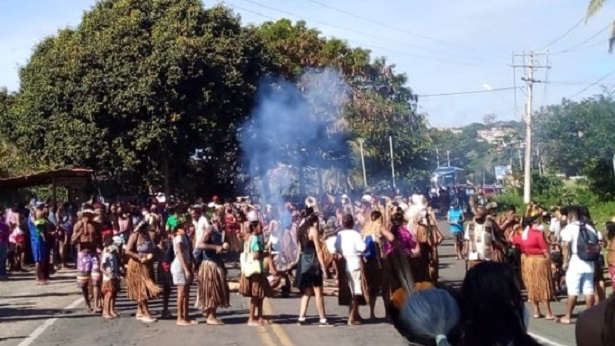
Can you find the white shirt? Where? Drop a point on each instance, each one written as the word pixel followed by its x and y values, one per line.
pixel 480 247
pixel 350 245
pixel 555 228
pixel 200 227
pixel 570 234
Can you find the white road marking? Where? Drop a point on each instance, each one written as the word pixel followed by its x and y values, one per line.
pixel 41 329
pixel 541 339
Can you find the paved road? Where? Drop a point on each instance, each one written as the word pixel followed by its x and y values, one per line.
pixel 53 315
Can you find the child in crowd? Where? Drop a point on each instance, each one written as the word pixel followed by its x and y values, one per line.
pixel 111 277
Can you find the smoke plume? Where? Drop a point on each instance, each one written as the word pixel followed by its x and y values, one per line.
pixel 292 130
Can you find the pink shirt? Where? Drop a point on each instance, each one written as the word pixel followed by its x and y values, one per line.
pixel 406 242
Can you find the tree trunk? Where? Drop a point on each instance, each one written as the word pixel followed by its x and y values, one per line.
pixel 167 178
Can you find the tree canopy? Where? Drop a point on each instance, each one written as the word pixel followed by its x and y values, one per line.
pixel 143 90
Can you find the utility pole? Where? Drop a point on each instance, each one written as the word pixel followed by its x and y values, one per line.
pixel 530 64
pixel 448 158
pixel 392 162
pixel 437 157
pixel 363 163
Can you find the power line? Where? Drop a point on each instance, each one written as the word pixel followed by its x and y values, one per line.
pixel 575 47
pixel 383 24
pixel 559 38
pixel 430 58
pixel 469 92
pixel 574 83
pixel 594 83
pixel 362 33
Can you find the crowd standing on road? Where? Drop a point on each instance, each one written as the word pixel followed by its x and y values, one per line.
pixel 375 247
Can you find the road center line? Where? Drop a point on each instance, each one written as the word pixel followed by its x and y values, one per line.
pixel 544 341
pixel 276 328
pixel 48 323
pixel 265 337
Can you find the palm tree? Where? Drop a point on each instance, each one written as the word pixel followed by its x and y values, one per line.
pixel 594 7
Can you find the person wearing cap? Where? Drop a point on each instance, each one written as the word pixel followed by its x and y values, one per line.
pixel 88 239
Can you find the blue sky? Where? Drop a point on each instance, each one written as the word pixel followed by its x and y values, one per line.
pixel 444 46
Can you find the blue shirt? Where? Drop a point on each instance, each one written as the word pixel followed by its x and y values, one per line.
pixel 454 215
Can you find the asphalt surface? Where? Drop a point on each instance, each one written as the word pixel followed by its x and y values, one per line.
pixel 54 315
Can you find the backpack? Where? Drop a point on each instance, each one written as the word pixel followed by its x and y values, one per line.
pixel 588 245
pixel 370 248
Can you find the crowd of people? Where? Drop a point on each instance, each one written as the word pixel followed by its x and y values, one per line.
pixel 374 247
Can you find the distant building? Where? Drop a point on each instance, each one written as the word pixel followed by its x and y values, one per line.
pixel 453 130
pixel 494 134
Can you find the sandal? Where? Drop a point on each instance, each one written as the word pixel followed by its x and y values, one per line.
pixel 550 318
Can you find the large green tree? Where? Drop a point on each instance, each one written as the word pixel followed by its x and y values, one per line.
pixel 380 103
pixel 577 140
pixel 137 87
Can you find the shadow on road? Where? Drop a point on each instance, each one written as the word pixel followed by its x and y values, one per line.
pixel 45 294
pixel 14 314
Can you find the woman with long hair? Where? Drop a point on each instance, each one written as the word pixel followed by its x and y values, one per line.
pixel 493 311
pixel 181 271
pixel 256 286
pixel 375 267
pixel 310 267
pixel 398 249
pixel 536 268
pixel 140 284
pixel 211 277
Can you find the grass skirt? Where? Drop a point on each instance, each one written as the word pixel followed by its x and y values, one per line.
pixel 213 287
pixel 537 277
pixel 374 276
pixel 256 286
pixel 140 284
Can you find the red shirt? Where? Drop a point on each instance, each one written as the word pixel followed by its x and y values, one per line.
pixel 535 243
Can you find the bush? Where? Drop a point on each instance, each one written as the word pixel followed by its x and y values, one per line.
pixel 555 195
